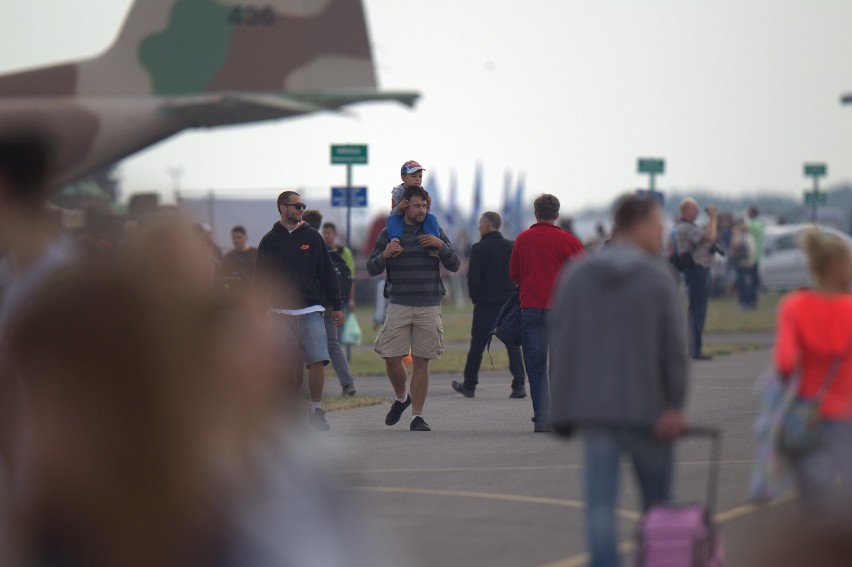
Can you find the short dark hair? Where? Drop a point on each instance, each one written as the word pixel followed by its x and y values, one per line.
pixel 631 209
pixel 753 212
pixel 284 198
pixel 313 217
pixel 25 161
pixel 416 192
pixel 330 225
pixel 493 219
pixel 239 228
pixel 546 207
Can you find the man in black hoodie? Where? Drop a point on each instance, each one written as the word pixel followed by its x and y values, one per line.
pixel 294 265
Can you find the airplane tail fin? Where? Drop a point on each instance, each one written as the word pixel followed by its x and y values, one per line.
pixel 184 47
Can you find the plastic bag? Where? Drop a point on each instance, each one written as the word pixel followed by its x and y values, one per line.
pixel 350 333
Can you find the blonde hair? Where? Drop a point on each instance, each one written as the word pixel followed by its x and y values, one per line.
pixel 823 249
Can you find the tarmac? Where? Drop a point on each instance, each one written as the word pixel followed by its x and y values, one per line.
pixel 483 489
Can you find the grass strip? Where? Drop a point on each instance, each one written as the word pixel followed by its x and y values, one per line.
pixel 340 403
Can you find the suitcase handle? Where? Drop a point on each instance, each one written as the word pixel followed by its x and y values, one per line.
pixel 714 434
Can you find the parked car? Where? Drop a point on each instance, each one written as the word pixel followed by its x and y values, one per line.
pixel 784 266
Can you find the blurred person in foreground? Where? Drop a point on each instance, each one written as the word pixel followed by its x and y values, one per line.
pixel 27 229
pixel 814 338
pixel 489 287
pixel 696 256
pixel 620 366
pixel 156 431
pixel 338 358
pixel 36 256
pixel 539 253
pixel 298 277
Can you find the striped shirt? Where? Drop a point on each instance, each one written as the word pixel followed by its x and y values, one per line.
pixel 414 278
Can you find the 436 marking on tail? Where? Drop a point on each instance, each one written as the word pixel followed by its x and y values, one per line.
pixel 251 16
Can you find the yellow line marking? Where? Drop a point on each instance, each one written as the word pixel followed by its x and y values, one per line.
pixel 516 468
pixel 582 559
pixel 626 546
pixel 627 514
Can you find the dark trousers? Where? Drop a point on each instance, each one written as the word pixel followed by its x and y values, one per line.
pixel 484 315
pixel 746 286
pixel 698 290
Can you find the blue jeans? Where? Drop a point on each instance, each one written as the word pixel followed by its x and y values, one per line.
pixel 396 224
pixel 652 461
pixel 698 290
pixel 534 343
pixel 746 286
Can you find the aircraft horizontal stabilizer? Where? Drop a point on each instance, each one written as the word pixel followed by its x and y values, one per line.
pixel 222 109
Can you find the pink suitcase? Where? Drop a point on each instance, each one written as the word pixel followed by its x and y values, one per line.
pixel 684 535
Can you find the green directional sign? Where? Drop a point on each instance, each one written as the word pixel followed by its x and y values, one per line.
pixel 816 169
pixel 349 154
pixel 651 165
pixel 815 198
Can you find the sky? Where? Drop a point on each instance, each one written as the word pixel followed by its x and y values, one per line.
pixel 734 95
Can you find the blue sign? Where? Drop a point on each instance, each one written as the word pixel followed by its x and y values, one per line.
pixel 658 195
pixel 358 197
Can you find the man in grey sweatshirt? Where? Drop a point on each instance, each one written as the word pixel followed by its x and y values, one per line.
pixel 620 365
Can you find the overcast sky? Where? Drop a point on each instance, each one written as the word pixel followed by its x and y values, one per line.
pixel 735 95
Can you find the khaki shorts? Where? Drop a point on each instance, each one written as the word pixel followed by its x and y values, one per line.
pixel 416 328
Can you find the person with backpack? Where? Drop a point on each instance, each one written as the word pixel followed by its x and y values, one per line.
pixel 489 287
pixel 344 264
pixel 338 358
pixel 620 367
pixel 694 256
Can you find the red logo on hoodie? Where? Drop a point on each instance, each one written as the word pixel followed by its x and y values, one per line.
pixel 305 247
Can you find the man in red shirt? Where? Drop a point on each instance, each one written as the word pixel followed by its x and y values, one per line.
pixel 537 258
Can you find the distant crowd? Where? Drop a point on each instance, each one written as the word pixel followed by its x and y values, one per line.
pixel 138 380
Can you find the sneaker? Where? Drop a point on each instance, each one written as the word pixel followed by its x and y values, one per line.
pixel 459 387
pixel 702 356
pixel 317 420
pixel 519 393
pixel 348 390
pixel 433 253
pixel 542 429
pixel 392 418
pixel 418 424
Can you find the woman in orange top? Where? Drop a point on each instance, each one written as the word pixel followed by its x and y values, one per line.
pixel 814 328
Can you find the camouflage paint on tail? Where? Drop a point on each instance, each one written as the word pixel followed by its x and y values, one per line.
pixel 182 47
pixel 181 64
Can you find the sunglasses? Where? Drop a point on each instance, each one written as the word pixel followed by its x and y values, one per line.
pixel 300 206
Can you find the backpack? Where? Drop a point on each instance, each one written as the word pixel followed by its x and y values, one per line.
pixel 682 262
pixel 507 324
pixel 344 274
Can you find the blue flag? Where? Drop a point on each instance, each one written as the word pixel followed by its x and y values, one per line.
pixel 510 218
pixel 518 205
pixel 476 207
